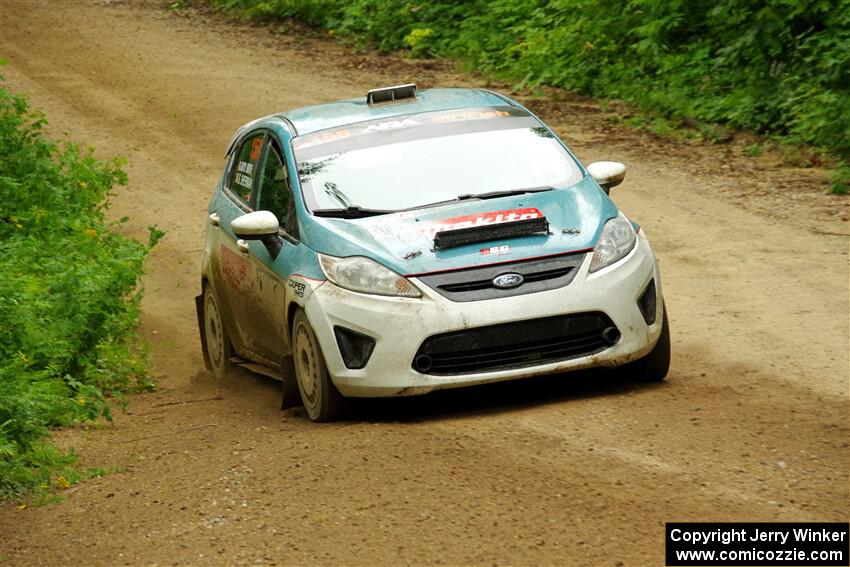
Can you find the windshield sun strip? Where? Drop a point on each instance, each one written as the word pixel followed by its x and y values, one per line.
pixel 404 128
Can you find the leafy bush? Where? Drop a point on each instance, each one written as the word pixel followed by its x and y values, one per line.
pixel 69 303
pixel 776 67
pixel 840 179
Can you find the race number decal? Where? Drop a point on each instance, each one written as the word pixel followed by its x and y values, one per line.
pixel 255 148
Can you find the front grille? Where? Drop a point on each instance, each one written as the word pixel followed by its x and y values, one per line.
pixel 515 345
pixel 473 284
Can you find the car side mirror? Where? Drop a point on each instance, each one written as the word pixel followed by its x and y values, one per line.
pixel 262 226
pixel 607 173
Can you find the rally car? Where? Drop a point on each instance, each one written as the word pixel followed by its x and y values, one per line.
pixel 411 241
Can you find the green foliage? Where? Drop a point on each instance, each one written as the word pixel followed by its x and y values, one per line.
pixel 775 67
pixel 418 41
pixel 69 302
pixel 754 150
pixel 841 180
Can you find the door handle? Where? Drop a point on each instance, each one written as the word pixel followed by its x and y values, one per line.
pixel 243 246
pixel 214 220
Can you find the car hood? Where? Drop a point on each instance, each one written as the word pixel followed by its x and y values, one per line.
pixel 404 241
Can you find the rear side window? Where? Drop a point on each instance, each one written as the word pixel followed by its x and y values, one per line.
pixel 245 167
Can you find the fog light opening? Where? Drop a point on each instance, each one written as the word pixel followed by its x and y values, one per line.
pixel 355 348
pixel 647 303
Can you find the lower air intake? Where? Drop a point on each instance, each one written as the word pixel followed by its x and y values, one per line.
pixel 515 345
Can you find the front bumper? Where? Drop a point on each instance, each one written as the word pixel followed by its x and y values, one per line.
pixel 399 326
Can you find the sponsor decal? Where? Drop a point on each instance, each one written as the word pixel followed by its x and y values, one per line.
pixel 496 250
pixel 469 115
pixel 391 125
pixel 480 219
pixel 297 287
pixel 310 140
pixel 316 138
pixel 430 228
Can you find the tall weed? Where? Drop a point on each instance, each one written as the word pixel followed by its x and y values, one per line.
pixel 69 301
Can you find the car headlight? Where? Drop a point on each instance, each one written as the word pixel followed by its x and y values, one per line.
pixel 618 238
pixel 359 273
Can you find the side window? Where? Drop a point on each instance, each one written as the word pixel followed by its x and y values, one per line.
pixel 245 167
pixel 274 193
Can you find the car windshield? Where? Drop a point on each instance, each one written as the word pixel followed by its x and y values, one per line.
pixel 414 161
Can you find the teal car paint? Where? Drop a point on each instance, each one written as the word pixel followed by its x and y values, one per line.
pixel 389 238
pixel 439 239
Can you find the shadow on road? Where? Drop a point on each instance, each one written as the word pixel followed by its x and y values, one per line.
pixel 493 398
pixel 261 393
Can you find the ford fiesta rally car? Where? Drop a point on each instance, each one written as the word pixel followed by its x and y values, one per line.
pixel 412 241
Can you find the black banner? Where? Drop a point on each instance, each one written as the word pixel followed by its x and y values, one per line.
pixel 762 544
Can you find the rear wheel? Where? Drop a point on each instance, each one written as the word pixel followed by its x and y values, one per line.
pixel 219 350
pixel 654 366
pixel 322 401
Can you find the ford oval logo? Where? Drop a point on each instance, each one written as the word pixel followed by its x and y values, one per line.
pixel 508 281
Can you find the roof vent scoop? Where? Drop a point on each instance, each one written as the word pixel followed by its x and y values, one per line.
pixel 391 94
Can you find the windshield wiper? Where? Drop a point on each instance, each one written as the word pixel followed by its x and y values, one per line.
pixel 488 195
pixel 332 190
pixel 348 210
pixel 352 212
pixel 506 193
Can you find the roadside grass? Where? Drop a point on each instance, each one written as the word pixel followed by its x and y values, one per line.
pixel 778 69
pixel 69 301
pixel 840 179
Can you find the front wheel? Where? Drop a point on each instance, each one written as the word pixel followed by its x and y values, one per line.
pixel 654 366
pixel 216 340
pixel 322 401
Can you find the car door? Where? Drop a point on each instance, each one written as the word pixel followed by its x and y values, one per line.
pixel 234 278
pixel 274 194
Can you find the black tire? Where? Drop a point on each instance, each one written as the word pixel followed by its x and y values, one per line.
pixel 291 395
pixel 217 343
pixel 654 366
pixel 322 401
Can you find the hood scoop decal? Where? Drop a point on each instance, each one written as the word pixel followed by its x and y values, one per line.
pixel 498 231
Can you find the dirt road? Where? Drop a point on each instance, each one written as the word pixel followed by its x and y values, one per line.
pixel 569 470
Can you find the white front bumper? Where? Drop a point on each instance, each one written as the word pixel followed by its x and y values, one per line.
pixel 399 326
